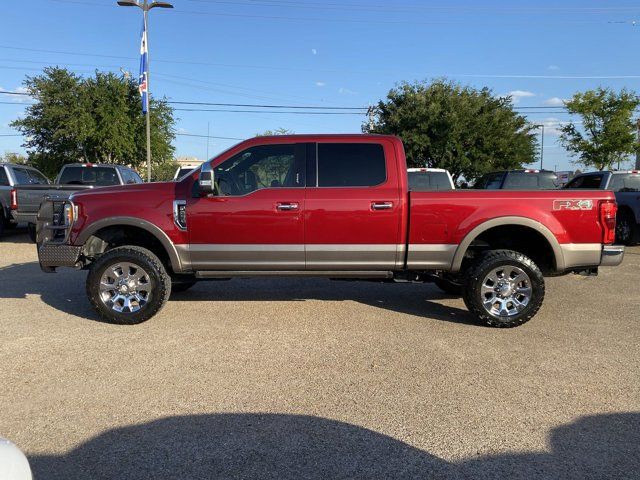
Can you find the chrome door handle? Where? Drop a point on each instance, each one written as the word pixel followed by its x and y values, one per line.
pixel 381 205
pixel 287 207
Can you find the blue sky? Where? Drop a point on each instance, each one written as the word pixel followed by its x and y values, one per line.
pixel 332 53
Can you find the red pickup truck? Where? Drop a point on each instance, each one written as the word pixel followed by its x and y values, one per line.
pixel 335 206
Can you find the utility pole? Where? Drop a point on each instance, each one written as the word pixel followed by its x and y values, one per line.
pixel 208 129
pixel 371 113
pixel 638 152
pixel 146 6
pixel 542 146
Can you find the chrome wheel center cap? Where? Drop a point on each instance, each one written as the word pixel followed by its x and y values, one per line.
pixel 504 289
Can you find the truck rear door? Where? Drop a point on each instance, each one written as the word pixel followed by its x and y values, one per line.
pixel 353 207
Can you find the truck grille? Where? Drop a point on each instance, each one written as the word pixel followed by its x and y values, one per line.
pixel 51 222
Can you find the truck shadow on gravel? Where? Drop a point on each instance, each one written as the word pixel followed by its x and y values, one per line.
pixel 65 291
pixel 268 446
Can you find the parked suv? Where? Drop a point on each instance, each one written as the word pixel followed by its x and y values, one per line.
pixel 626 186
pixel 12 176
pixel 518 180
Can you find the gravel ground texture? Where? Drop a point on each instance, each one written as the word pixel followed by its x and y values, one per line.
pixel 309 378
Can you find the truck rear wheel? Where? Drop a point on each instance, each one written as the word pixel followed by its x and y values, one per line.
pixel 504 289
pixel 128 285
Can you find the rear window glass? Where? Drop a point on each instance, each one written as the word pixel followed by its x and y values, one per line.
pixel 97 176
pixel 588 181
pixel 625 183
pixel 351 165
pixel 530 181
pixel 37 177
pixel 421 181
pixel 491 181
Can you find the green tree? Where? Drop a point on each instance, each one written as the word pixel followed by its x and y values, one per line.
pixel 96 119
pixel 13 157
pixel 164 171
pixel 445 125
pixel 606 135
pixel 277 131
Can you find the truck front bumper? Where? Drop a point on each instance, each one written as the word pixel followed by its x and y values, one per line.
pixel 612 255
pixel 52 238
pixel 52 255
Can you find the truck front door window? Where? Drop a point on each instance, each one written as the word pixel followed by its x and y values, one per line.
pixel 265 166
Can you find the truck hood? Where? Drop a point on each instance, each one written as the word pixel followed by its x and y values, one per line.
pixel 156 188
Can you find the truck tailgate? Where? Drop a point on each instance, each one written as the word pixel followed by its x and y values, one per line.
pixel 30 197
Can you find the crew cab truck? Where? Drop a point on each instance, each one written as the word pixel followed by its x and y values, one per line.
pixel 335 206
pixel 626 186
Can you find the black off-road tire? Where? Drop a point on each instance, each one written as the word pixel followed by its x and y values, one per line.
pixel 160 281
pixel 626 228
pixel 182 286
pixel 484 265
pixel 449 286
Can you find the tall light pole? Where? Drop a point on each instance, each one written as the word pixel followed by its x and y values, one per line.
pixel 541 126
pixel 146 6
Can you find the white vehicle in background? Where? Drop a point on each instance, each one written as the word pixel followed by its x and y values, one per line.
pixel 184 169
pixel 429 179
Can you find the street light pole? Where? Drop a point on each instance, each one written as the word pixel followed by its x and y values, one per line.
pixel 146 6
pixel 542 146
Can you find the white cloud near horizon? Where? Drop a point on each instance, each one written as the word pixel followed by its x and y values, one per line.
pixel 321 84
pixel 517 95
pixel 554 102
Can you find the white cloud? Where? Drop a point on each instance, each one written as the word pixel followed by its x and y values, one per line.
pixel 321 84
pixel 346 91
pixel 554 102
pixel 553 67
pixel 517 95
pixel 314 51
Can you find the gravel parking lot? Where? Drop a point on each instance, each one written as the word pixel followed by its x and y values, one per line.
pixel 281 378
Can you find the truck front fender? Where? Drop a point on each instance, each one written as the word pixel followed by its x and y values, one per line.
pixel 179 263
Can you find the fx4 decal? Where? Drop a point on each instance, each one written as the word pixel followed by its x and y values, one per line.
pixel 573 204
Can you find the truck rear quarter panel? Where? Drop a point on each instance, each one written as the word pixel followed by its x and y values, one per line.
pixel 440 221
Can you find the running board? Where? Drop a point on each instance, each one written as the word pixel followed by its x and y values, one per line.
pixel 294 273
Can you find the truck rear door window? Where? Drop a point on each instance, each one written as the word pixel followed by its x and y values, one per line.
pixel 351 165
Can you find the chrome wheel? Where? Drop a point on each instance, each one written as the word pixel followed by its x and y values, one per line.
pixel 125 287
pixel 506 291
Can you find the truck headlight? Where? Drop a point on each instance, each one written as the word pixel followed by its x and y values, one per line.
pixel 69 214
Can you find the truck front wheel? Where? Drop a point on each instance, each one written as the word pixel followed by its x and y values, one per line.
pixel 504 288
pixel 128 285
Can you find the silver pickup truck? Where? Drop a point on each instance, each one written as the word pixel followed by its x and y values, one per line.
pixel 27 195
pixel 12 177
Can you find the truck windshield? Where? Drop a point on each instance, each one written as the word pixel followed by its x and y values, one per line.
pixel 96 176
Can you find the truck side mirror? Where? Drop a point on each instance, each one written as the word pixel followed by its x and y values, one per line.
pixel 206 182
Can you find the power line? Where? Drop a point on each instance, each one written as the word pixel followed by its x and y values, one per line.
pixel 308 107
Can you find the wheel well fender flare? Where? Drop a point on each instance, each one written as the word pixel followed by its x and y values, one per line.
pixel 505 222
pixel 157 232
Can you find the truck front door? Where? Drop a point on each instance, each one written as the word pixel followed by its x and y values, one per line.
pixel 353 207
pixel 255 221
